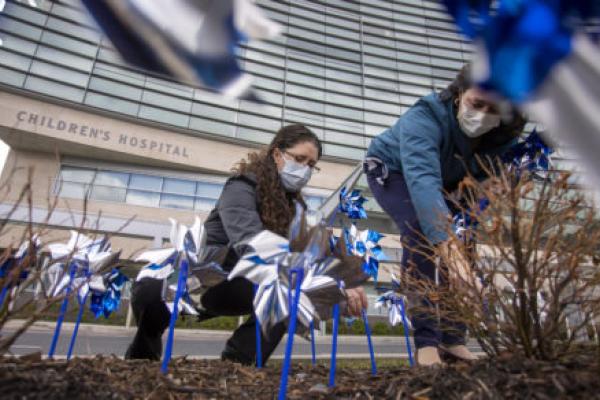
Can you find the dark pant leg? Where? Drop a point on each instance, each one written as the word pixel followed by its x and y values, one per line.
pixel 235 297
pixel 395 200
pixel 152 317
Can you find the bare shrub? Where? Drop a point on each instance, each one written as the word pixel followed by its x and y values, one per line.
pixel 526 279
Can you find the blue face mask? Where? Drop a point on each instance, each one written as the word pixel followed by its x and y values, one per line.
pixel 294 176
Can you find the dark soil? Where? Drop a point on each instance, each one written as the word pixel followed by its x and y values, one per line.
pixel 113 378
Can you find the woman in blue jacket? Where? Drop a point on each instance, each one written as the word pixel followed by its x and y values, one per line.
pixel 410 166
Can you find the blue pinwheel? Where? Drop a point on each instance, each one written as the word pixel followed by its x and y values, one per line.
pixel 532 155
pixel 364 244
pixel 187 251
pixel 395 303
pixel 15 261
pixel 351 204
pixel 106 294
pixel 83 260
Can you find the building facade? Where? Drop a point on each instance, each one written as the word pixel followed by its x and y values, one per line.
pixel 115 143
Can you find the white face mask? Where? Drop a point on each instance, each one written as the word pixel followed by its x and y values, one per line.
pixel 476 123
pixel 294 176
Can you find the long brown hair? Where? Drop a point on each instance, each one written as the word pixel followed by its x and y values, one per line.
pixel 276 206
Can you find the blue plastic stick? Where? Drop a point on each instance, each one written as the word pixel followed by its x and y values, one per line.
pixel 3 295
pixel 370 343
pixel 76 328
pixel 62 312
pixel 411 361
pixel 291 331
pixel 258 337
pixel 336 322
pixel 181 282
pixel 312 343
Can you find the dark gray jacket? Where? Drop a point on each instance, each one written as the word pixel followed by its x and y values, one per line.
pixel 234 220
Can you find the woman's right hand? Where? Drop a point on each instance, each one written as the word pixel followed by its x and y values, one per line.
pixel 357 301
pixel 459 268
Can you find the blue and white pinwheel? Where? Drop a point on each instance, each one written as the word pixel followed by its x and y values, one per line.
pixel 364 244
pixel 83 258
pixel 193 41
pixel 15 261
pixel 541 55
pixel 531 154
pixel 87 257
pixel 351 204
pixel 465 222
pixel 395 304
pixel 187 245
pixel 106 293
pixel 268 267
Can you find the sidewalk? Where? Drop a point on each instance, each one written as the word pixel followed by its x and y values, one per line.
pixel 113 330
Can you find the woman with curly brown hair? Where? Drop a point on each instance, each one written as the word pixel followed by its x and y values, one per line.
pixel 260 195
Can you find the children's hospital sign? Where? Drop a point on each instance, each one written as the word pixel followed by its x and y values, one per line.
pixel 29 120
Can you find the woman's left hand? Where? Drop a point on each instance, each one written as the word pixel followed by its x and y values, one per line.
pixel 357 301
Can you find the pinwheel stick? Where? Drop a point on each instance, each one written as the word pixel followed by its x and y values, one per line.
pixel 63 311
pixel 76 328
pixel 411 361
pixel 291 331
pixel 3 294
pixel 258 336
pixel 369 342
pixel 334 335
pixel 312 343
pixel 181 282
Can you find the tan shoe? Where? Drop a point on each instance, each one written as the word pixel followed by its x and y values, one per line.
pixel 459 351
pixel 428 356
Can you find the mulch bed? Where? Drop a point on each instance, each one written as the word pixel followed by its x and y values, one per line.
pixel 112 378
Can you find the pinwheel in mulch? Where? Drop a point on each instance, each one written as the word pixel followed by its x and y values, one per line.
pixel 15 268
pixel 82 260
pixel 188 246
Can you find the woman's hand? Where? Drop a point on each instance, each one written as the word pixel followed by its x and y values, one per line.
pixel 459 267
pixel 357 301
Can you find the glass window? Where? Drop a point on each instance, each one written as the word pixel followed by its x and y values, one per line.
pixel 114 179
pixel 115 88
pixel 73 45
pixel 176 201
pixel 209 190
pixel 25 13
pixel 166 101
pixel 258 122
pixel 73 29
pixel 168 117
pixel 74 174
pixel 11 77
pixel 73 190
pixel 254 135
pixel 21 46
pixel 218 128
pixel 63 58
pixel 108 193
pixel 209 111
pixel 204 204
pixel 111 103
pixel 27 30
pixel 145 182
pixel 343 151
pixel 179 186
pixel 59 73
pixel 54 89
pixel 14 60
pixel 142 198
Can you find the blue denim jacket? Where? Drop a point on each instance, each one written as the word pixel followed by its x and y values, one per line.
pixel 428 147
